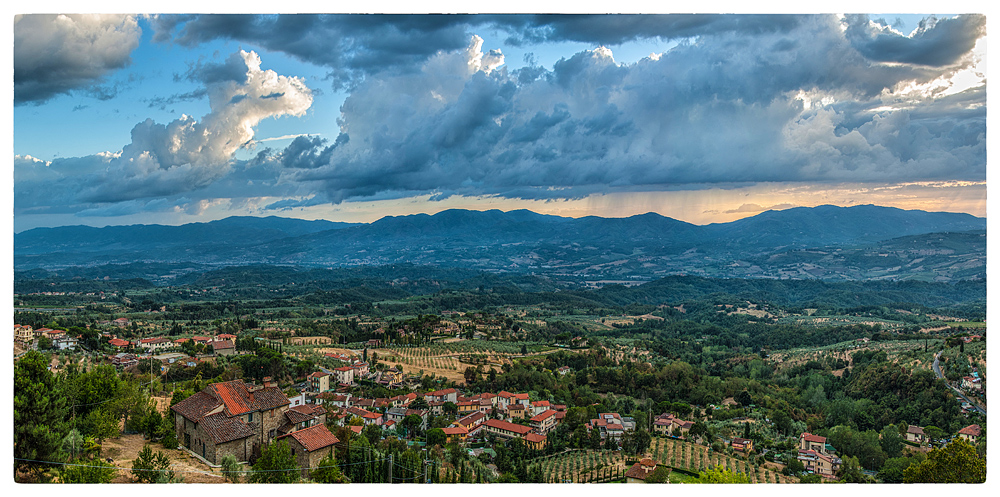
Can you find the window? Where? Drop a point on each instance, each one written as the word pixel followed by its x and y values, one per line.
pixel 250 417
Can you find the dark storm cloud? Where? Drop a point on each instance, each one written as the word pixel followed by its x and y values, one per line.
pixel 726 108
pixel 58 54
pixel 620 28
pixel 935 42
pixel 355 45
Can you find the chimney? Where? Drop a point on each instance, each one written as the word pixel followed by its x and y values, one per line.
pixel 270 383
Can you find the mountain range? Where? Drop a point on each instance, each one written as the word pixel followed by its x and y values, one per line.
pixel 826 242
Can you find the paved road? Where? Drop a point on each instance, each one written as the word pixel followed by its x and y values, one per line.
pixel 937 371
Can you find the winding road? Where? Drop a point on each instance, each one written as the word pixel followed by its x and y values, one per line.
pixel 937 371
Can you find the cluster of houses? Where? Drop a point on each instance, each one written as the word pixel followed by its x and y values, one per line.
pixel 505 415
pixel 61 340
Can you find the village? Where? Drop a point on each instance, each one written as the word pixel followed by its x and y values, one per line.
pixel 318 417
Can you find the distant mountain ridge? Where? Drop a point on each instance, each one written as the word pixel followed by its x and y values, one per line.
pixel 643 246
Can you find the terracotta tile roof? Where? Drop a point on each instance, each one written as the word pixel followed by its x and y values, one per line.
pixel 224 429
pixel 313 438
pixel 318 374
pixel 543 416
pixel 971 430
pixel 504 425
pixel 196 406
pixel 471 419
pixel 813 438
pixel 223 344
pixel 240 400
pixel 535 438
pixel 296 417
pixel 639 471
pixel 455 430
pixel 118 343
pixel 541 403
pixel 916 430
pixel 309 409
pixel 155 340
pixel 236 398
pixel 357 429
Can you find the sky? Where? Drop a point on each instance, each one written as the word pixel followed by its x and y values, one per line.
pixel 171 119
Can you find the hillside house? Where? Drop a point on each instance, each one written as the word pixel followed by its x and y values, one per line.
pixel 915 434
pixel 156 344
pixel 369 418
pixel 230 418
pixel 817 456
pixel 224 347
pixel 319 381
pixel 23 333
pixel 544 422
pixel 345 375
pixel 473 423
pixel 301 417
pixel 611 424
pixel 123 360
pixel 743 445
pixel 970 433
pixel 640 471
pixel 517 411
pixel 506 430
pixel 455 434
pixel 534 441
pixel 445 395
pixel 310 446
pixel 971 383
pixel 66 343
pixel 360 369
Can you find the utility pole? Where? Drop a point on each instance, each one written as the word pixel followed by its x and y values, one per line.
pixel 390 468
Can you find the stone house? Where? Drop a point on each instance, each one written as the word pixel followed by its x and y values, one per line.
pixel 310 446
pixel 230 418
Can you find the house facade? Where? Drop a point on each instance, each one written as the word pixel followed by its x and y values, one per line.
pixel 970 433
pixel 817 456
pixel 915 434
pixel 310 446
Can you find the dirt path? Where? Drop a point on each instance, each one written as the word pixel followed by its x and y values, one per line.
pixel 125 449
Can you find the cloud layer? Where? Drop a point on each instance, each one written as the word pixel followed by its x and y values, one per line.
pixel 433 110
pixel 170 159
pixel 726 108
pixel 57 54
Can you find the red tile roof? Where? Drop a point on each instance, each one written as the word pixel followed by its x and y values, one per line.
pixel 543 416
pixel 971 430
pixel 224 429
pixel 639 471
pixel 223 345
pixel 455 430
pixel 813 438
pixel 535 438
pixel 504 425
pixel 118 343
pixel 235 398
pixel 313 438
pixel 155 340
pixel 471 419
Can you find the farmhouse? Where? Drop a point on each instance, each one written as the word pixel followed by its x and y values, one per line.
pixel 310 446
pixel 230 418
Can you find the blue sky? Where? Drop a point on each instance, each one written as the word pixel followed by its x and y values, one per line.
pixel 125 119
